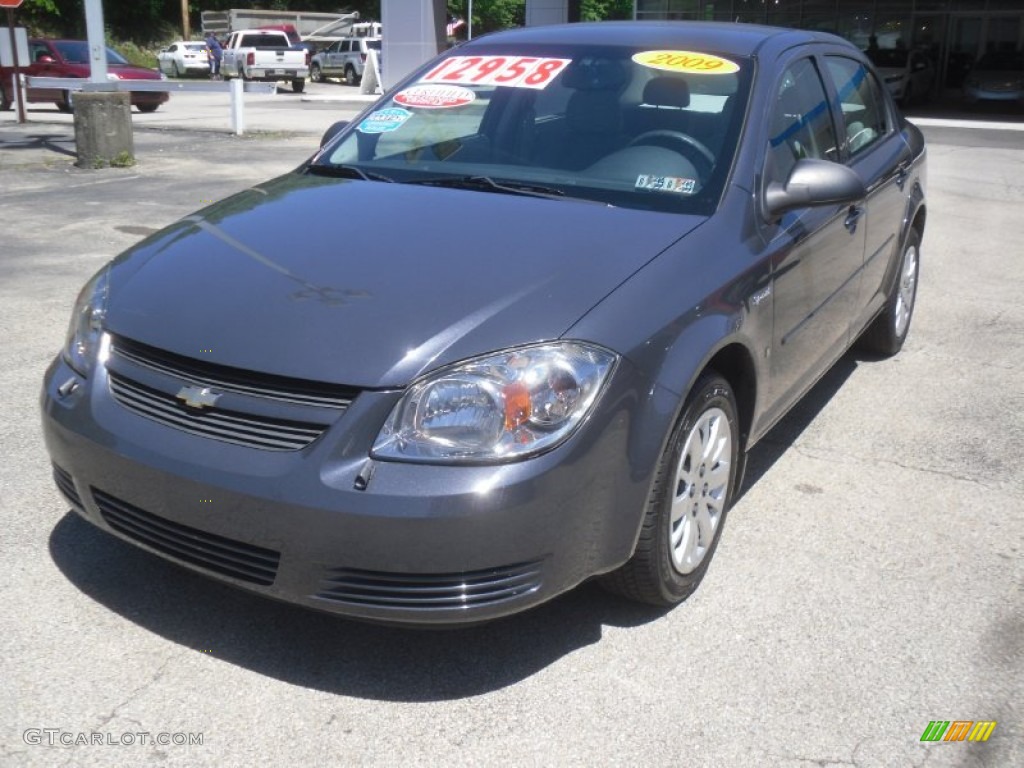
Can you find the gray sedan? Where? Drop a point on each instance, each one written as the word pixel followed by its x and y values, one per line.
pixel 588 268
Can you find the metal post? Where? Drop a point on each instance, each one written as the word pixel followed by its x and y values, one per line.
pixel 14 78
pixel 184 20
pixel 469 21
pixel 97 41
pixel 237 106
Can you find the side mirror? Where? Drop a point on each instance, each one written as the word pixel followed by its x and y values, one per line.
pixel 333 131
pixel 45 59
pixel 813 182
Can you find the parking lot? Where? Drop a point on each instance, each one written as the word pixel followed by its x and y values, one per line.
pixel 869 580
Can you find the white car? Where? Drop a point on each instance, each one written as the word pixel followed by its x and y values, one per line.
pixel 907 74
pixel 185 58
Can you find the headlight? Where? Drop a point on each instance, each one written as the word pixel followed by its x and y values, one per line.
pixel 86 326
pixel 497 408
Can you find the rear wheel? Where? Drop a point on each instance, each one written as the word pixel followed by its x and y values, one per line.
pixel 888 331
pixel 298 85
pixel 147 107
pixel 5 102
pixel 693 490
pixel 177 70
pixel 66 104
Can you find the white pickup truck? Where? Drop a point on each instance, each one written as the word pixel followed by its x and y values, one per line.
pixel 267 55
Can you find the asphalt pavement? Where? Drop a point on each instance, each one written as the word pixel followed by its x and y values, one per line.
pixel 869 580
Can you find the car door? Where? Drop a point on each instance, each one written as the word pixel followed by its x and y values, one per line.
pixel 337 58
pixel 874 148
pixel 38 49
pixel 817 251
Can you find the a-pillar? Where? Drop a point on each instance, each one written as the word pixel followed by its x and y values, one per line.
pixel 414 33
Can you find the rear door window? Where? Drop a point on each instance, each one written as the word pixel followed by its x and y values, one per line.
pixel 861 101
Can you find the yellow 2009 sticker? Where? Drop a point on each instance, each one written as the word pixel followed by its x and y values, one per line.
pixel 686 61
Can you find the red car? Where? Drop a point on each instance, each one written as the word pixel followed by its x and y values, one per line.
pixel 70 58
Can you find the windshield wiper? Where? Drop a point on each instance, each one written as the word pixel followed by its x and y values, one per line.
pixel 347 172
pixel 494 185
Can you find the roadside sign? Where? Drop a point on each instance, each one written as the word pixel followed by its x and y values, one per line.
pixel 10 3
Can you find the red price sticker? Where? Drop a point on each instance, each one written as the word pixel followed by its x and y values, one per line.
pixel 510 71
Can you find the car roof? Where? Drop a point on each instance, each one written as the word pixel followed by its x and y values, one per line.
pixel 724 37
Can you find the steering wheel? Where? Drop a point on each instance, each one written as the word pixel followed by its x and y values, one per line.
pixel 692 148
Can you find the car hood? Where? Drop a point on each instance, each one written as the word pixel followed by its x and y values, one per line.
pixel 369 283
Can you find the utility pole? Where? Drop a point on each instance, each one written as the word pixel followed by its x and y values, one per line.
pixel 184 21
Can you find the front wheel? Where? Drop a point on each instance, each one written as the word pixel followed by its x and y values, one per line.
pixel 693 489
pixel 888 331
pixel 350 76
pixel 315 74
pixel 298 85
pixel 147 107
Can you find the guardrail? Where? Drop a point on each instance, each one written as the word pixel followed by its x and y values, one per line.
pixel 234 87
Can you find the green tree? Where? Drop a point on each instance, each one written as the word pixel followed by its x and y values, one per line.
pixel 602 10
pixel 491 15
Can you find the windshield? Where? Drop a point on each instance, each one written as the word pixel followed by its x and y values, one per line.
pixel 888 57
pixel 624 126
pixel 77 52
pixel 995 61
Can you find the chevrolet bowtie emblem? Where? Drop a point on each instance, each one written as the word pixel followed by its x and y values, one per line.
pixel 198 397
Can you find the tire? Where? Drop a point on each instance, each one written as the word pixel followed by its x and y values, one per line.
pixel 298 85
pixel 66 104
pixel 685 512
pixel 315 74
pixel 147 107
pixel 177 70
pixel 908 95
pixel 5 103
pixel 241 72
pixel 888 331
pixel 350 75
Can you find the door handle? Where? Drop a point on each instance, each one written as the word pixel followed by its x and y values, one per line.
pixel 852 217
pixel 902 174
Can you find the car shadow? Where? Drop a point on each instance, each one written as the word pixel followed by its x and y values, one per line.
pixel 772 446
pixel 326 652
pixel 53 142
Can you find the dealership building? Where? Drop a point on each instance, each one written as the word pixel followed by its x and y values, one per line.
pixel 954 33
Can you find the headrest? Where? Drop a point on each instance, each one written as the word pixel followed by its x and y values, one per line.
pixel 590 74
pixel 667 92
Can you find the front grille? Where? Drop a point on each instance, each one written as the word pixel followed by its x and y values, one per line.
pixel 430 591
pixel 66 486
pixel 246 429
pixel 218 554
pixel 227 379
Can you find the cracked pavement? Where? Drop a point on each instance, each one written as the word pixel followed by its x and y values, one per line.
pixel 869 579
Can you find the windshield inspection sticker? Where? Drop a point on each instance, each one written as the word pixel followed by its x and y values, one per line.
pixel 435 96
pixel 666 184
pixel 690 62
pixel 385 120
pixel 510 71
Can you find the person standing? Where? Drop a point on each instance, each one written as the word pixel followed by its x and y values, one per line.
pixel 214 52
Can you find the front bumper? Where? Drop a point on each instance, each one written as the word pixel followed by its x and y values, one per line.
pixel 419 544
